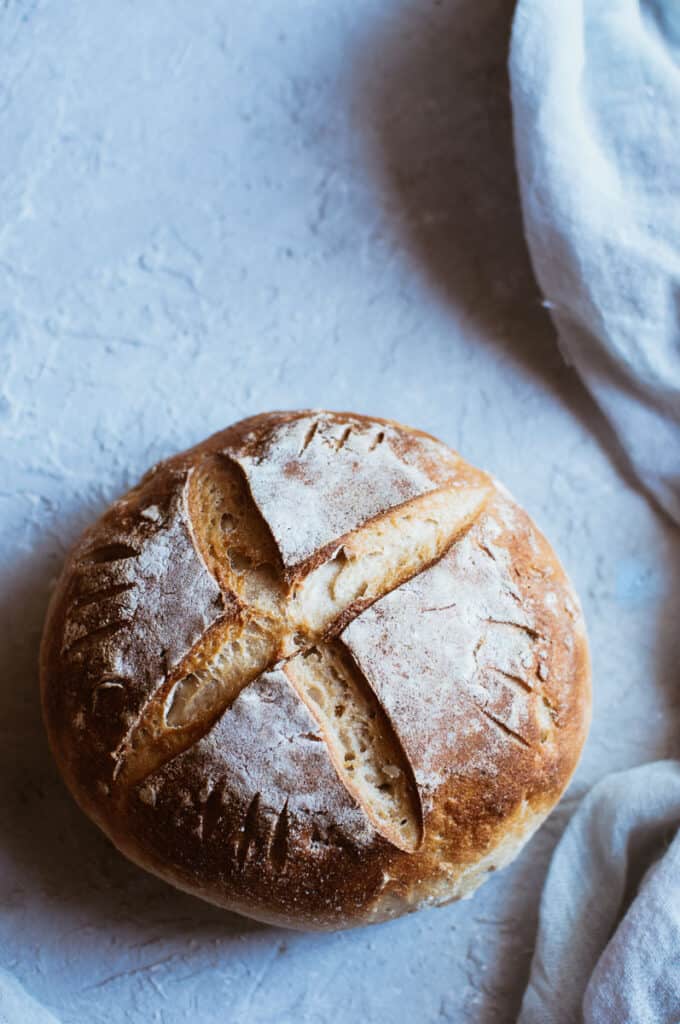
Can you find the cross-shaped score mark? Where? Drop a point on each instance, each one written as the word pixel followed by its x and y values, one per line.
pixel 272 621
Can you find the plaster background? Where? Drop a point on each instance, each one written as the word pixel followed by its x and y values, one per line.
pixel 211 209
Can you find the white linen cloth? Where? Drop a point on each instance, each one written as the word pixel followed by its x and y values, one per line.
pixel 615 963
pixel 596 108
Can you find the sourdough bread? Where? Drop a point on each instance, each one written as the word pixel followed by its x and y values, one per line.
pixel 318 670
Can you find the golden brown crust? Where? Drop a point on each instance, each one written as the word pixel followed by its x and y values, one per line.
pixel 252 813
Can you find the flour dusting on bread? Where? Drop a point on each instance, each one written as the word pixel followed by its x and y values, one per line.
pixel 317 478
pixel 317 670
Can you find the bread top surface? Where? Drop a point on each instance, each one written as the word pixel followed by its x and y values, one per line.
pixel 316 667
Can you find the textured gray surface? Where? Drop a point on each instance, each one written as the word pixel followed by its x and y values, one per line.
pixel 211 209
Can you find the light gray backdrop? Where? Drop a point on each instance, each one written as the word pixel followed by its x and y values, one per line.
pixel 212 209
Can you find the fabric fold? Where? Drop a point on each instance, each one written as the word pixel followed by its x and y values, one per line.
pixel 608 943
pixel 596 114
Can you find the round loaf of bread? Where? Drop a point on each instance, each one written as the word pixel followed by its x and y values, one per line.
pixel 317 670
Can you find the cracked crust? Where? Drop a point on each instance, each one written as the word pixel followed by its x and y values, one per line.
pixel 413 686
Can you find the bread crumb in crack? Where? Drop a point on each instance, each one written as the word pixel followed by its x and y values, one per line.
pixel 361 742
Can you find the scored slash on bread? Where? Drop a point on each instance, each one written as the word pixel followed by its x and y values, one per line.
pixel 270 620
pixel 318 670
